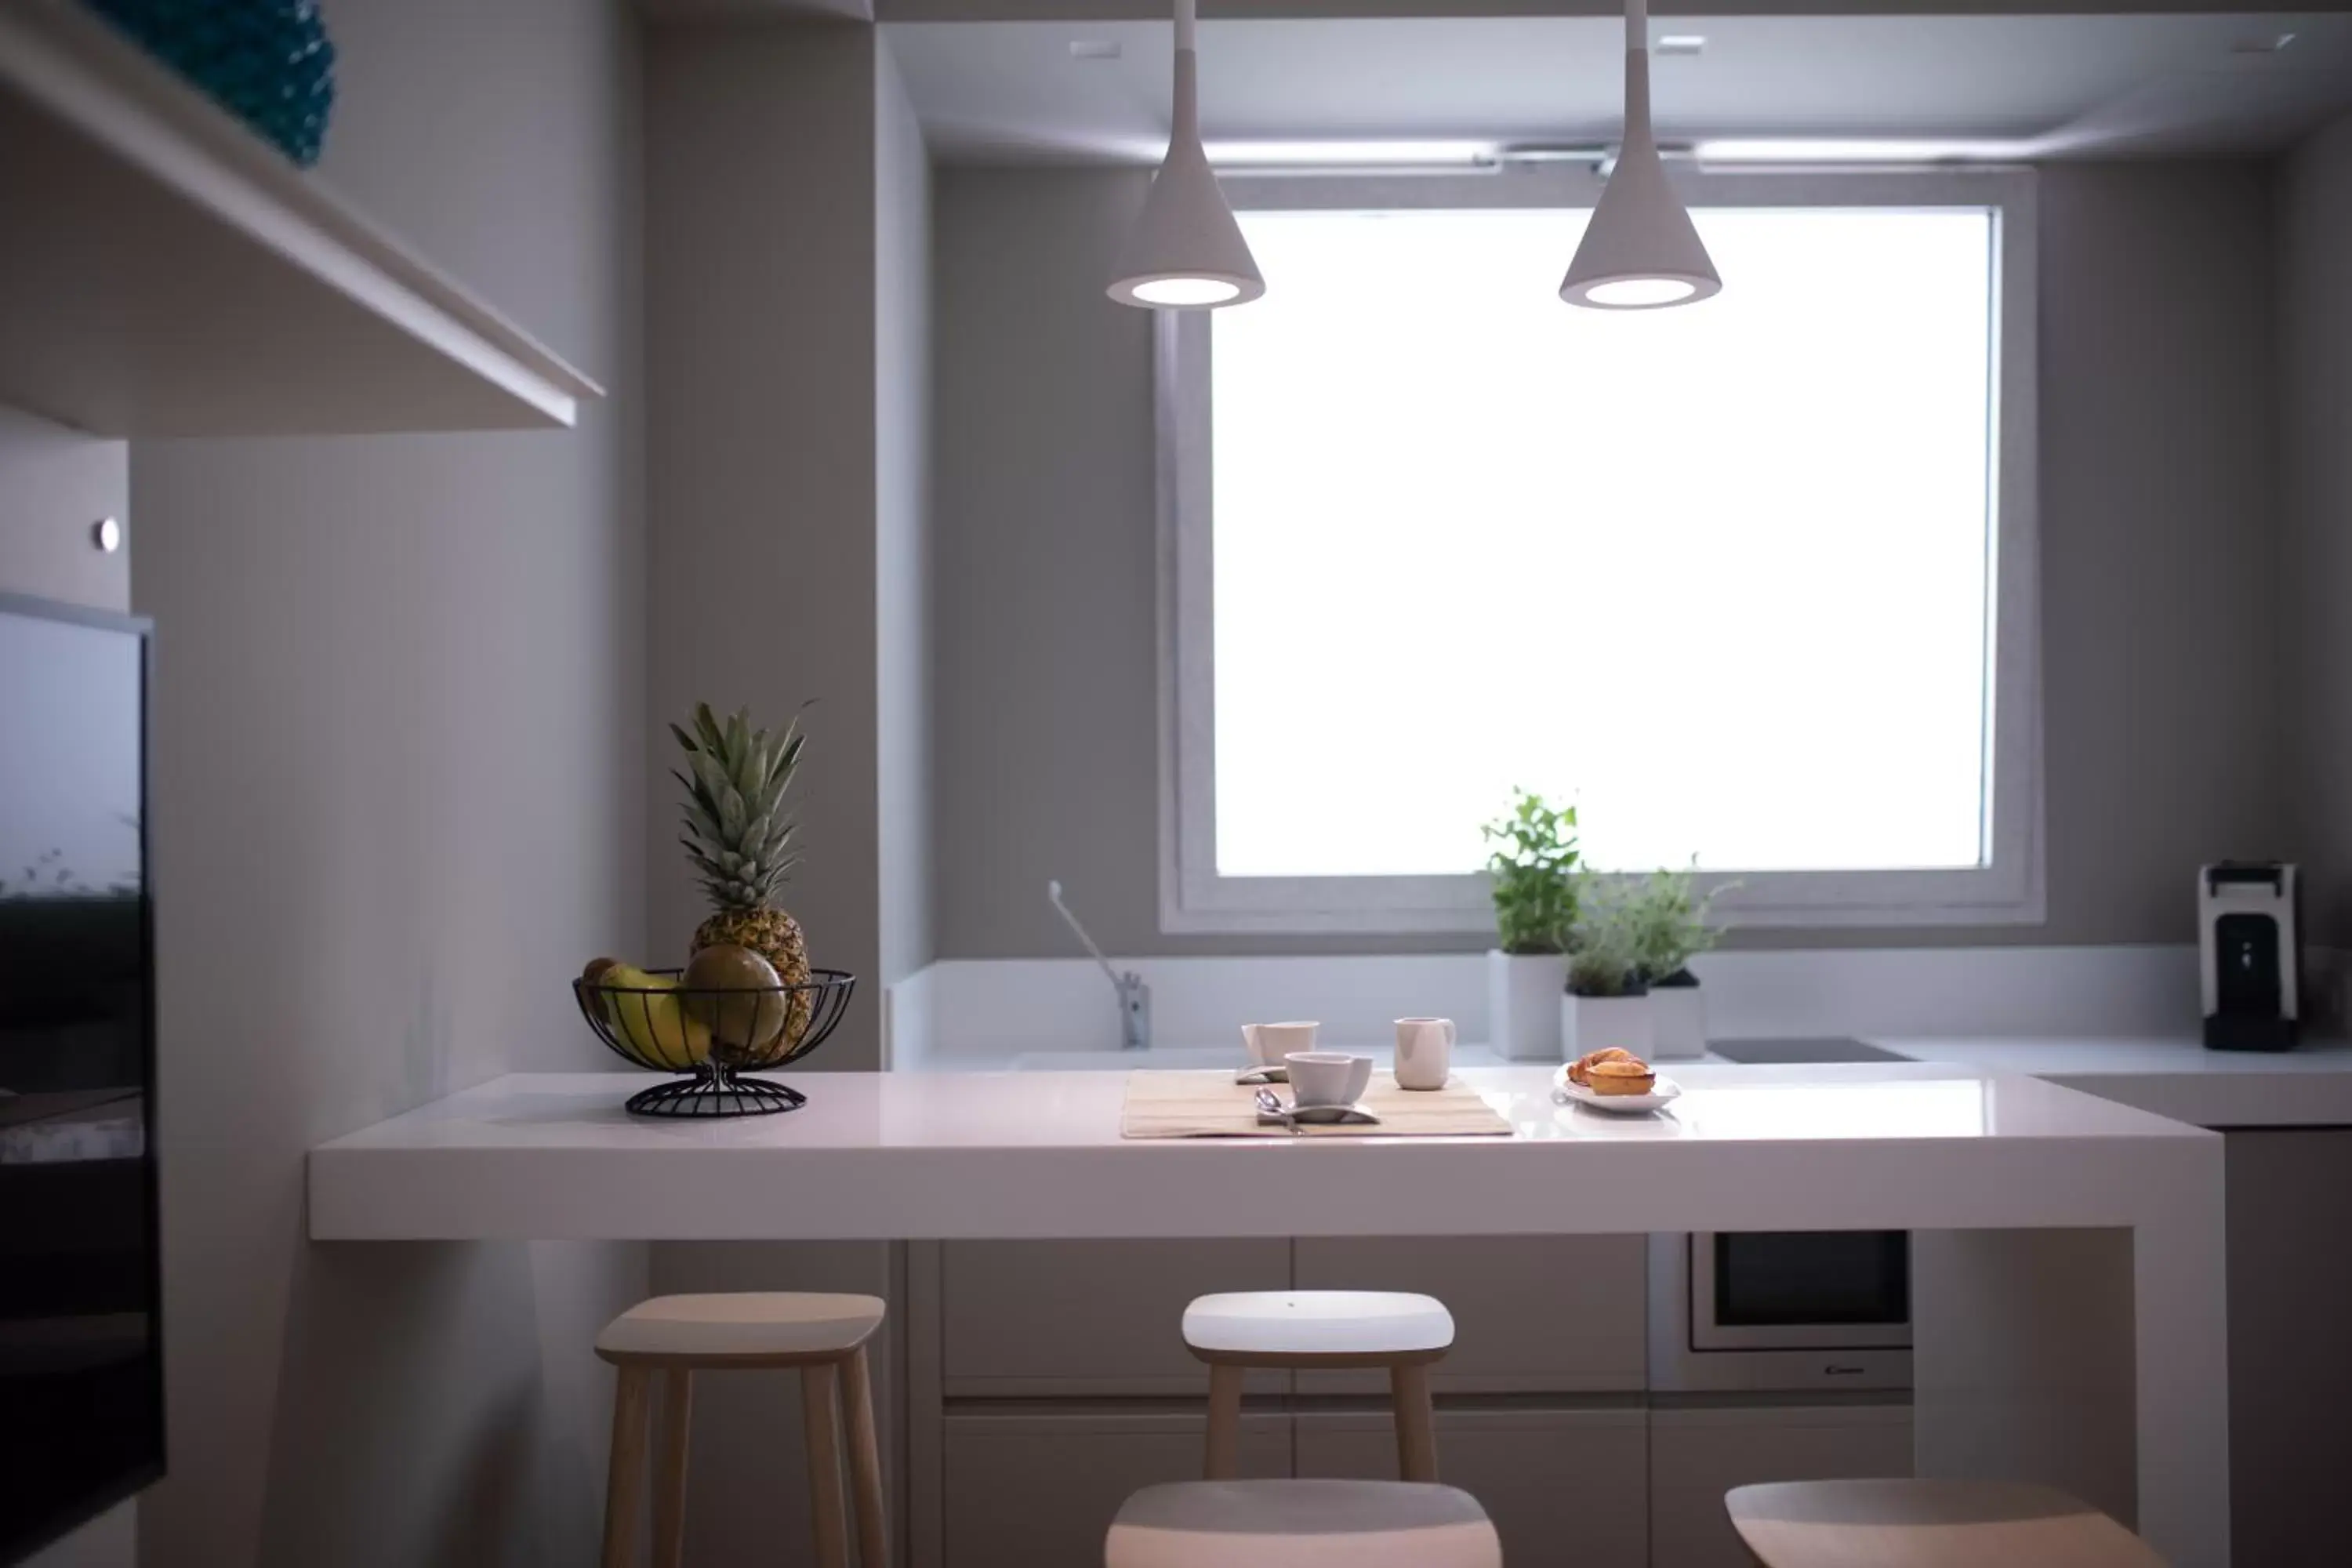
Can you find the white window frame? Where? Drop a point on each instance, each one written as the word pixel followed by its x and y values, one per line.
pixel 2010 890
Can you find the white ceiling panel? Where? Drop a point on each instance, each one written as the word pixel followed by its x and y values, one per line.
pixel 2045 85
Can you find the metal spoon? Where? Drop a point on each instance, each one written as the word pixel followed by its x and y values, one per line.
pixel 1271 1104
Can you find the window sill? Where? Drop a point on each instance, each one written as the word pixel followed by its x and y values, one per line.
pixel 1400 906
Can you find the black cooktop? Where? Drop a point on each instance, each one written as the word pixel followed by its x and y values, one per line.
pixel 1802 1052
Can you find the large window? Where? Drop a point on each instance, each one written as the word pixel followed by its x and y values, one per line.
pixel 1750 581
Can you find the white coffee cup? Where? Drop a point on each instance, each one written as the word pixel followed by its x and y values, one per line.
pixel 1327 1077
pixel 1425 1052
pixel 1270 1043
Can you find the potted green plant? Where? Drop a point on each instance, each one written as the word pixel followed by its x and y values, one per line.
pixel 1669 923
pixel 1533 864
pixel 1606 1000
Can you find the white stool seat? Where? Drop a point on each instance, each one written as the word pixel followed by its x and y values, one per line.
pixel 746 1325
pixel 1928 1525
pixel 1301 1524
pixel 1318 1322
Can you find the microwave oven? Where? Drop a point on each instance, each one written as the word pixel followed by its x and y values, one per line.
pixel 1763 1311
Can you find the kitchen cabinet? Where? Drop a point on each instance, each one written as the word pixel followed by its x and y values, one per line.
pixel 2290 1197
pixel 1532 1314
pixel 1038 1488
pixel 1090 1318
pixel 1699 1453
pixel 1055 1319
pixel 1565 1485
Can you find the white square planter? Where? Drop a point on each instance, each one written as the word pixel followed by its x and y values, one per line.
pixel 1678 1022
pixel 1588 1024
pixel 1523 992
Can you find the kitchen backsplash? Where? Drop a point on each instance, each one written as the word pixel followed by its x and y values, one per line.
pixel 998 1007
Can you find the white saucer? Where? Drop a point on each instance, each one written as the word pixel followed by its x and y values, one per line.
pixel 1277 1073
pixel 1662 1093
pixel 1320 1116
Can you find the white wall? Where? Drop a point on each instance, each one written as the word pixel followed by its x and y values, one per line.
pixel 399 709
pixel 2314 341
pixel 2158 569
pixel 760 375
pixel 109 1540
pixel 54 484
pixel 902 541
pixel 788 315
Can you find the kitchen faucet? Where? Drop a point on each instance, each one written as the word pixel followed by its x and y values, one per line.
pixel 1134 995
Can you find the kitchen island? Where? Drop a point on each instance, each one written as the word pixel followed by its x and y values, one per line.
pixel 1038 1156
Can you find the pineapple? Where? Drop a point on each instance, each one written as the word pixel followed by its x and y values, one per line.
pixel 740 842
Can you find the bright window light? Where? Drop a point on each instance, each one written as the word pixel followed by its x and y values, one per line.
pixel 1719 575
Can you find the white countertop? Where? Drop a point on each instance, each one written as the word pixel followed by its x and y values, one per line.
pixel 948 1155
pixel 2310 1085
pixel 996 1155
pixel 2171 1076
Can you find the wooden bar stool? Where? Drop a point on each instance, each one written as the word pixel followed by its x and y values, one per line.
pixel 1301 1524
pixel 1322 1330
pixel 1928 1525
pixel 823 1336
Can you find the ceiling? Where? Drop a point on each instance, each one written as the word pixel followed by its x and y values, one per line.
pixel 753 10
pixel 2010 87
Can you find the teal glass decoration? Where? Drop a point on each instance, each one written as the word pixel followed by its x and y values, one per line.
pixel 268 62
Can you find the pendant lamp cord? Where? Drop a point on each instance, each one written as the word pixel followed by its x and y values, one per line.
pixel 1185 127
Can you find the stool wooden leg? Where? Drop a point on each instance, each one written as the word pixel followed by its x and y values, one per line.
pixel 625 1478
pixel 669 1472
pixel 1224 1461
pixel 1415 1424
pixel 865 1462
pixel 820 1423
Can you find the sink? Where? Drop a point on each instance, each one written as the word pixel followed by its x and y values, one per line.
pixel 1129 1062
pixel 1802 1052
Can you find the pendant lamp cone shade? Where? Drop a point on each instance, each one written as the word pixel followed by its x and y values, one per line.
pixel 1641 251
pixel 1187 253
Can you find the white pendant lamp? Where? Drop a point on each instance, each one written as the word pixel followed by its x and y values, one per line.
pixel 1187 253
pixel 1640 252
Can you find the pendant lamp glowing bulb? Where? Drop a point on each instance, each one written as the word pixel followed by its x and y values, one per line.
pixel 1187 253
pixel 1641 251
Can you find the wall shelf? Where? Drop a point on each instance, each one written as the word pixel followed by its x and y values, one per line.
pixel 165 272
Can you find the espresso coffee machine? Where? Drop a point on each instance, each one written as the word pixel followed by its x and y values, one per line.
pixel 2250 954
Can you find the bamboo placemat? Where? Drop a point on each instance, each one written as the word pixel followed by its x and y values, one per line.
pixel 1176 1104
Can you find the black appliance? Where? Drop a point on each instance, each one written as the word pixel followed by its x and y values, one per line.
pixel 1764 1310
pixel 2249 954
pixel 81 1393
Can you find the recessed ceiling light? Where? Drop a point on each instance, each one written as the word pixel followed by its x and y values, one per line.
pixel 1094 50
pixel 1340 154
pixel 1680 44
pixel 2275 44
pixel 1832 149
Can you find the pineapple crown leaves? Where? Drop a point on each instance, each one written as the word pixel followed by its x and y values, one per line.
pixel 735 779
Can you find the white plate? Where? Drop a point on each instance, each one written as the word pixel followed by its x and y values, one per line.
pixel 1662 1093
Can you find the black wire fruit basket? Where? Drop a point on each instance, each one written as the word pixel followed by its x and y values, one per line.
pixel 715 1036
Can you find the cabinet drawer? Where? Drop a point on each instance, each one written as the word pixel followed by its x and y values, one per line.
pixel 1697 1455
pixel 1040 1490
pixel 1531 1313
pixel 1561 1486
pixel 1054 1318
